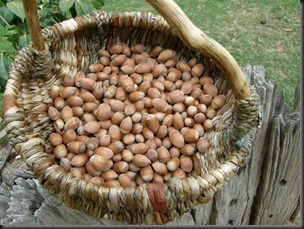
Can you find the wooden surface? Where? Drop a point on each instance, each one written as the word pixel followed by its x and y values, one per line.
pixel 198 41
pixel 265 192
pixel 31 15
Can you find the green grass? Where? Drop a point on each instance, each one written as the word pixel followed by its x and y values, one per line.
pixel 263 32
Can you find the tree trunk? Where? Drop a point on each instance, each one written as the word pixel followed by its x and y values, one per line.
pixel 265 192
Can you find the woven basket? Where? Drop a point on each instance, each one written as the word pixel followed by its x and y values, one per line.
pixel 71 46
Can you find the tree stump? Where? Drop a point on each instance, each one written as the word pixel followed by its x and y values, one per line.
pixel 265 192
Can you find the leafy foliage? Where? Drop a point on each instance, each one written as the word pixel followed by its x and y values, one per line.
pixel 12 18
pixel 17 8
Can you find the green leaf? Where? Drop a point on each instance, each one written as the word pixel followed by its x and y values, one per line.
pixel 6 14
pixel 23 40
pixel 2 3
pixel 46 22
pixel 55 10
pixel 12 31
pixel 2 84
pixel 43 13
pixel 82 7
pixel 59 17
pixel 4 65
pixel 16 7
pixel 45 2
pixel 65 5
pixel 22 27
pixel 97 3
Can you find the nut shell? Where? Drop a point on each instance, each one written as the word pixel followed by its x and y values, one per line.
pixel 202 145
pixel 124 180
pixel 163 154
pixel 160 168
pixel 208 125
pixel 165 55
pixel 197 70
pixel 160 105
pixel 54 91
pixel 210 89
pixel 179 173
pixel 178 121
pixel 205 79
pixel 190 135
pixel 152 154
pixel 127 83
pixel 65 163
pixel 152 122
pixel 146 173
pixel 188 150
pixel 72 123
pixel 79 160
pixel 103 112
pixel 136 96
pixel 74 101
pixel 186 164
pixel 100 163
pixel 97 180
pixel 175 96
pixel 139 148
pixel 118 59
pixel 105 152
pixel 218 101
pixel 92 127
pixel 60 151
pixel 205 100
pixel 65 92
pixel 55 139
pixel 53 113
pixel 115 133
pixel 173 164
pixel 143 68
pixel 76 147
pixel 140 160
pixel 117 105
pixel 109 175
pixel 68 136
pixel 177 139
pixel 126 125
pixel 120 166
pixel 116 48
pixel 127 155
pixel 66 113
pixel 96 67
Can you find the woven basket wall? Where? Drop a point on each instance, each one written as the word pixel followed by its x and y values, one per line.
pixel 72 47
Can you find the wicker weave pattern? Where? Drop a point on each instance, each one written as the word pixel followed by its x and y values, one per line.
pixel 72 45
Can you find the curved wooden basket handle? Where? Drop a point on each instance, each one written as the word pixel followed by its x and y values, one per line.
pixel 32 21
pixel 199 42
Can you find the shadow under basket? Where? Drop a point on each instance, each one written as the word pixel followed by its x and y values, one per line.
pixel 73 45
